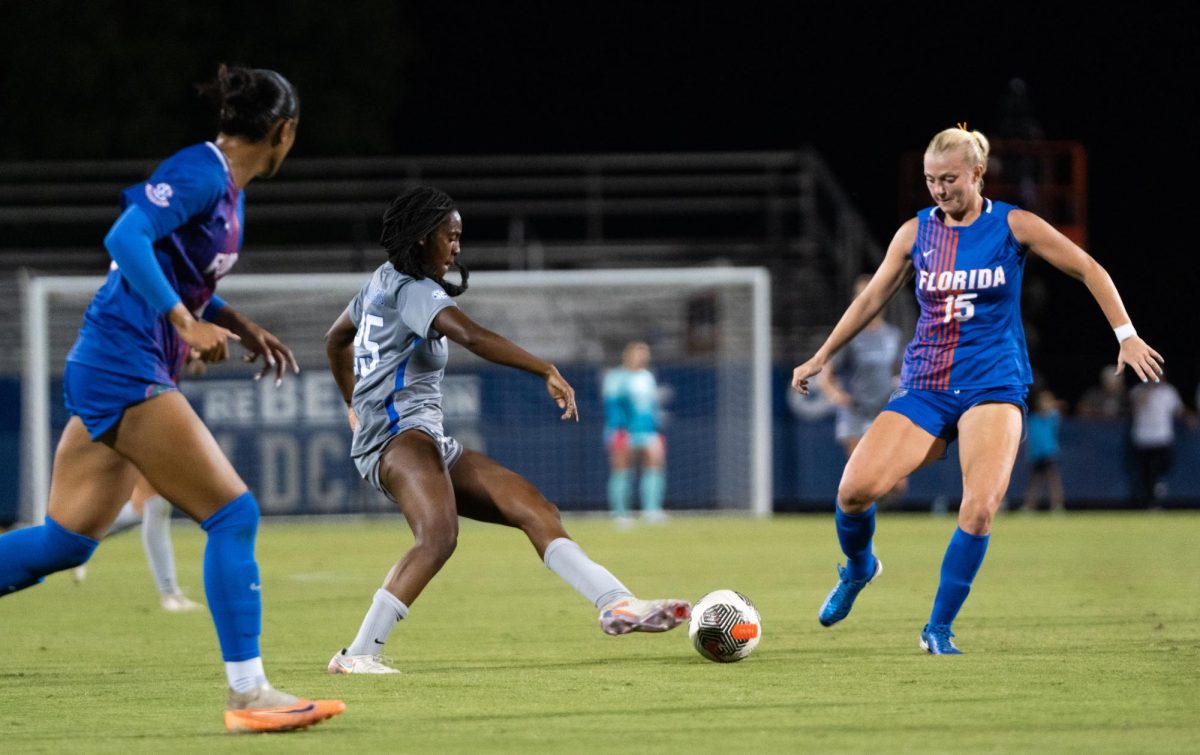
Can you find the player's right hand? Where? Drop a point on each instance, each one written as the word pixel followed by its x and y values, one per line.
pixel 562 393
pixel 210 341
pixel 801 374
pixel 1144 361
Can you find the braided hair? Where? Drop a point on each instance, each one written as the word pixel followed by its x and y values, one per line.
pixel 410 219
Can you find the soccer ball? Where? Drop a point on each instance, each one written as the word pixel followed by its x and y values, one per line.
pixel 725 626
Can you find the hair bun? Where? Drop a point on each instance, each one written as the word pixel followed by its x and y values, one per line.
pixel 249 100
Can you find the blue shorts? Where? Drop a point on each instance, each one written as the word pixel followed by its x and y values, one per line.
pixel 100 398
pixel 937 411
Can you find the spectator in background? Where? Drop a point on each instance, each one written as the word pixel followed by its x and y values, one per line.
pixel 1106 400
pixel 1042 448
pixel 1156 405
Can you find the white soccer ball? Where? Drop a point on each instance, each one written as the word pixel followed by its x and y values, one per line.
pixel 725 626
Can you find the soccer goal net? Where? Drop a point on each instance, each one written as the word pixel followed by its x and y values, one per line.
pixel 708 330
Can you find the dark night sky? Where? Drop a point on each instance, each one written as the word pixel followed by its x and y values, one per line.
pixel 862 85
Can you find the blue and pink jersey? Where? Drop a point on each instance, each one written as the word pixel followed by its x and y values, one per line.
pixel 197 213
pixel 968 285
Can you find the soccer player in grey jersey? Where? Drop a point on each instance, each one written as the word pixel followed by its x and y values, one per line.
pixel 862 380
pixel 388 353
pixel 863 376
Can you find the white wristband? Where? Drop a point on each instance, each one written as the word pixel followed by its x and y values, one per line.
pixel 1125 331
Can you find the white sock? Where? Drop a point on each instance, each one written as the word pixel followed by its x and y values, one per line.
pixel 385 613
pixel 245 675
pixel 127 517
pixel 156 541
pixel 591 580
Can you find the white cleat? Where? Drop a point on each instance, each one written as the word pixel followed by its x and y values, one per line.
pixel 655 516
pixel 632 615
pixel 359 664
pixel 624 522
pixel 178 603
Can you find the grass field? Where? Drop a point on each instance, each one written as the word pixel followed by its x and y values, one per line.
pixel 1083 634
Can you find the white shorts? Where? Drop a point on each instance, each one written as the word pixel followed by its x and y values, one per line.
pixel 368 463
pixel 851 424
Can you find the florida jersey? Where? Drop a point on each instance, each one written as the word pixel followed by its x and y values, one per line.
pixel 968 285
pixel 197 211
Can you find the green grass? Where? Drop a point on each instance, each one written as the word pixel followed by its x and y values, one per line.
pixel 1081 635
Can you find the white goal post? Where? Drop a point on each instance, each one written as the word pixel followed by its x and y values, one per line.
pixel 709 329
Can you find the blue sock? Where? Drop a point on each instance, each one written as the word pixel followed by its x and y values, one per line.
pixel 231 577
pixel 28 555
pixel 618 492
pixel 653 486
pixel 854 533
pixel 963 558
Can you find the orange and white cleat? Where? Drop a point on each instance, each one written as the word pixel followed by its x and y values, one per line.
pixel 266 709
pixel 633 615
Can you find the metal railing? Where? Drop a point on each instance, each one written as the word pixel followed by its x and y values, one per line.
pixel 783 210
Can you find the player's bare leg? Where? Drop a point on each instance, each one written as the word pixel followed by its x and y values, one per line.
pixel 489 492
pixel 157 435
pixel 87 476
pixel 412 470
pixel 88 479
pixel 179 457
pixel 897 491
pixel 989 436
pixel 892 448
pixel 90 483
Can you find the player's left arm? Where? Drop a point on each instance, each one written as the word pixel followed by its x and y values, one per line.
pixel 257 340
pixel 1045 241
pixel 455 325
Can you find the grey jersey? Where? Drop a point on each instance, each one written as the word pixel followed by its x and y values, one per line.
pixel 867 367
pixel 399 359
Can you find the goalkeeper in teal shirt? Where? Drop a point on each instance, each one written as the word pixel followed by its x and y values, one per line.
pixel 631 435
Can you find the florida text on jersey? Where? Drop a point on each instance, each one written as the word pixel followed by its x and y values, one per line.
pixel 968 285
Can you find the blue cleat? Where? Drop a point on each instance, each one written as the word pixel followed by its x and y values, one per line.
pixel 935 640
pixel 841 598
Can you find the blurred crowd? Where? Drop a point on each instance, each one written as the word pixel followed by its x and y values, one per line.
pixel 1154 412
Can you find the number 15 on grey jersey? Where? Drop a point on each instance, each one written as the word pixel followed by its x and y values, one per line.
pixel 399 359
